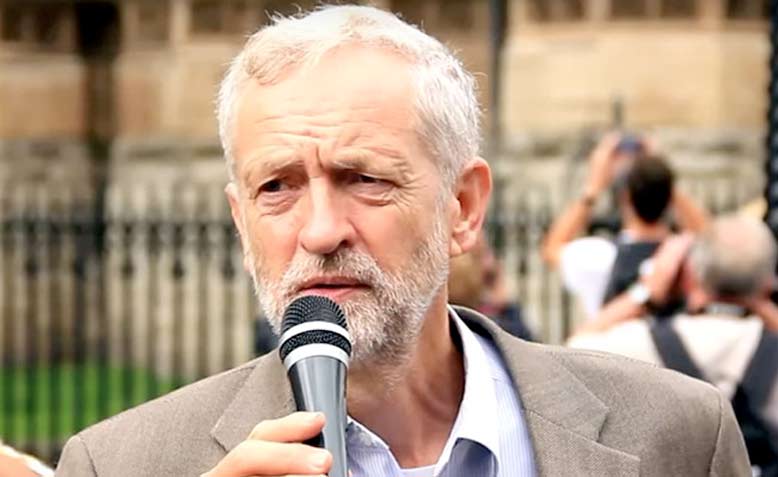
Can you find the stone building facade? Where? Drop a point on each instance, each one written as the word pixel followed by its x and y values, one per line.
pixel 117 96
pixel 672 63
pixel 691 73
pixel 140 76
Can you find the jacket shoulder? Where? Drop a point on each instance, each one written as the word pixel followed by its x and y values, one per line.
pixel 625 382
pixel 654 409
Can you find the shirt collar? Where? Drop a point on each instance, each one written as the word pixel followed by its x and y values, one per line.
pixel 477 419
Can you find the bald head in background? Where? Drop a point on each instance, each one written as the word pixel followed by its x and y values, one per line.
pixel 734 257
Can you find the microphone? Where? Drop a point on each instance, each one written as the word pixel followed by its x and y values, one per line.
pixel 315 349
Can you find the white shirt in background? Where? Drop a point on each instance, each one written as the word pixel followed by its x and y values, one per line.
pixel 585 265
pixel 720 346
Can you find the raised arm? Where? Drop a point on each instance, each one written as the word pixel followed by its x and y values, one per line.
pixel 569 224
pixel 652 288
pixel 690 216
pixel 765 309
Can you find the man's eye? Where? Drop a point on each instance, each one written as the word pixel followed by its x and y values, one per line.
pixel 367 179
pixel 275 185
pixel 364 179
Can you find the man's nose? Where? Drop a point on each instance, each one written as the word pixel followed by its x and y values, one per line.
pixel 326 226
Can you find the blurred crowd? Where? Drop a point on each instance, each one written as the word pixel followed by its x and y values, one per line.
pixel 675 287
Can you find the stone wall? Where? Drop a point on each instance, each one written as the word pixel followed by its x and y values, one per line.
pixel 41 96
pixel 668 76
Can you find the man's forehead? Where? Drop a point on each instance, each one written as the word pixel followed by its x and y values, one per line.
pixel 349 72
pixel 355 101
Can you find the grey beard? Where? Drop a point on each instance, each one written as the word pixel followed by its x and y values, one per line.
pixel 385 319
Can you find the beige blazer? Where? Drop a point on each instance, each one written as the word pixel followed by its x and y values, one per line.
pixel 588 413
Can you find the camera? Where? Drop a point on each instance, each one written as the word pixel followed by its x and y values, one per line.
pixel 631 145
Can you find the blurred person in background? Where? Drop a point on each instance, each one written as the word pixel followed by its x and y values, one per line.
pixel 265 339
pixel 16 464
pixel 596 269
pixel 477 280
pixel 727 334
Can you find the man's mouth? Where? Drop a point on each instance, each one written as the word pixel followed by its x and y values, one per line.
pixel 331 287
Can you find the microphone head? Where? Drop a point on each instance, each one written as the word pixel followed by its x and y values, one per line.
pixel 314 325
pixel 313 308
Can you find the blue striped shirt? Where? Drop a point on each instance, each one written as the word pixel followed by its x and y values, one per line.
pixel 489 437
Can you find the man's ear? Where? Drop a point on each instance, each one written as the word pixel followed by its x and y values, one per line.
pixel 233 197
pixel 471 194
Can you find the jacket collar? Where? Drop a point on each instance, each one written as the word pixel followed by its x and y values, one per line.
pixel 563 416
pixel 265 394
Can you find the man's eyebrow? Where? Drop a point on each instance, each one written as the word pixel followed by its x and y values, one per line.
pixel 262 165
pixel 359 161
pixel 363 156
pixel 368 161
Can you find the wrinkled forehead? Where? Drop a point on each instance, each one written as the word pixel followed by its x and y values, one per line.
pixel 348 72
pixel 351 94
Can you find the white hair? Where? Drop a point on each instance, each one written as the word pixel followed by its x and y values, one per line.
pixel 446 106
pixel 734 257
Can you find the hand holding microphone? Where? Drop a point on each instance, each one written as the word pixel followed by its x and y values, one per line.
pixel 274 448
pixel 315 348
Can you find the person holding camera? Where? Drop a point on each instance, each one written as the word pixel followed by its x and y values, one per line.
pixel 726 335
pixel 596 269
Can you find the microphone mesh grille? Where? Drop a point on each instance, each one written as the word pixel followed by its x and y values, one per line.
pixel 313 308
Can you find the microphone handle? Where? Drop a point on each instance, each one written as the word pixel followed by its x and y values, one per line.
pixel 319 385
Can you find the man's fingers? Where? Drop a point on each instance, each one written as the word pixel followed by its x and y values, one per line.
pixel 608 143
pixel 676 248
pixel 296 427
pixel 273 449
pixel 650 145
pixel 666 264
pixel 263 458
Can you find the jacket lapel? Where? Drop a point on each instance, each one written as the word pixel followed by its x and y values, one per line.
pixel 563 416
pixel 265 394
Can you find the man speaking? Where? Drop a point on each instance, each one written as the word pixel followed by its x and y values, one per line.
pixel 351 139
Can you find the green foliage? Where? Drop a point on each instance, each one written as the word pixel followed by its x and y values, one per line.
pixel 47 404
